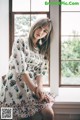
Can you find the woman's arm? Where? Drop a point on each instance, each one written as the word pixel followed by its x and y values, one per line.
pixel 29 83
pixel 39 80
pixel 39 90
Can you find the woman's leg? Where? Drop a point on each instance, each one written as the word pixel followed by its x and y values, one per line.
pixel 48 113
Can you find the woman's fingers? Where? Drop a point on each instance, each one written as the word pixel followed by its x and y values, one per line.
pixel 47 98
pixel 42 96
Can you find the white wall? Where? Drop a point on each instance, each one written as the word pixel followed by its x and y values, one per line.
pixel 4 36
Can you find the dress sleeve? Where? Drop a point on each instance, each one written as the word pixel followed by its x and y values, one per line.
pixel 18 53
pixel 43 68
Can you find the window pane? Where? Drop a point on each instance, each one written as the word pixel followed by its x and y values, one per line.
pixel 22 23
pixel 39 5
pixel 70 23
pixel 75 7
pixel 70 60
pixel 70 72
pixel 24 5
pixel 20 5
pixel 70 48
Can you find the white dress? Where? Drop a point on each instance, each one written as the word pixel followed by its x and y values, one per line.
pixel 14 92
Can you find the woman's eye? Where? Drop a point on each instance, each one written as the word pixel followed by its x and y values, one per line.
pixel 40 27
pixel 45 31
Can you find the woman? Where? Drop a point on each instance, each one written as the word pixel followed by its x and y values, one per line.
pixel 22 87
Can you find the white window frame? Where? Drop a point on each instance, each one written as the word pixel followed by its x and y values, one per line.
pixel 54 49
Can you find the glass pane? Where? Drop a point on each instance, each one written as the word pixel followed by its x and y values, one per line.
pixel 70 23
pixel 24 5
pixel 39 5
pixel 70 72
pixel 75 5
pixel 22 23
pixel 20 5
pixel 70 60
pixel 70 48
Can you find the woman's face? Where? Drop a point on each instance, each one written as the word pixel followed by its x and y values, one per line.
pixel 41 32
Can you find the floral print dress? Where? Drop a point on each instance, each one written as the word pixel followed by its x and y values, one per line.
pixel 14 91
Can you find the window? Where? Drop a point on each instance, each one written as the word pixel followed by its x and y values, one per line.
pixel 70 45
pixel 55 57
pixel 24 13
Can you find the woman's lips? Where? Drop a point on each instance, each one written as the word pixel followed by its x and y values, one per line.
pixel 38 35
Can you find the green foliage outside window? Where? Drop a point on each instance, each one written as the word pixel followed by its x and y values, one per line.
pixel 70 56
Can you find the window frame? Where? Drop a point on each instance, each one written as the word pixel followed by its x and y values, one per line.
pixel 64 85
pixel 11 27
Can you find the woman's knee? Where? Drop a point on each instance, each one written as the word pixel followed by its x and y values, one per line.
pixel 48 113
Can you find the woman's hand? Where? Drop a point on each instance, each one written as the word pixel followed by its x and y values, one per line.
pixel 39 92
pixel 42 96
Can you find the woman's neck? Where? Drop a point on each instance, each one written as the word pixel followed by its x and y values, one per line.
pixel 35 42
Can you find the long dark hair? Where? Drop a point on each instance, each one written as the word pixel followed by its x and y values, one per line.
pixel 45 42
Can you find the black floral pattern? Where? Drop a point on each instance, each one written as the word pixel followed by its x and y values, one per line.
pixel 10 94
pixel 12 83
pixel 10 76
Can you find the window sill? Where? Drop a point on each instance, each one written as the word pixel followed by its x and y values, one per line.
pixel 66 95
pixel 68 101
